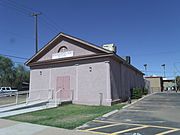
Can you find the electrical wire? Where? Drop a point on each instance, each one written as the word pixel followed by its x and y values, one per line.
pixel 53 27
pixel 13 56
pixel 13 7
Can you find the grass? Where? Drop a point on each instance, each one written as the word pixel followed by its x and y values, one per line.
pixel 66 116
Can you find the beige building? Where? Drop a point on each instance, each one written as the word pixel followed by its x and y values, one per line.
pixel 71 69
pixel 156 83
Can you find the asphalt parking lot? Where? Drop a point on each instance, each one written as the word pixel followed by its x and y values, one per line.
pixel 157 114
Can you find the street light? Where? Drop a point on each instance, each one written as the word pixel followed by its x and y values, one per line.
pixel 164 67
pixel 145 67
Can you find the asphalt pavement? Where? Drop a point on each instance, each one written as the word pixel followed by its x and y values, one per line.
pixel 156 114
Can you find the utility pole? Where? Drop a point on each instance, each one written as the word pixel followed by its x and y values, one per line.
pixel 36 29
pixel 163 65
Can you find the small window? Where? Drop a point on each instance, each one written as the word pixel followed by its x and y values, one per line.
pixel 63 49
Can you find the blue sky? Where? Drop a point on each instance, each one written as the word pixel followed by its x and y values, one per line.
pixel 147 30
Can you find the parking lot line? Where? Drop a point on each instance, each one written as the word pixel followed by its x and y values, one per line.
pixel 127 130
pixel 106 126
pixel 94 132
pixel 172 128
pixel 167 132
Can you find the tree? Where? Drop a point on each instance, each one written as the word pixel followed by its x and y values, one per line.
pixel 22 75
pixel 11 75
pixel 6 71
pixel 178 82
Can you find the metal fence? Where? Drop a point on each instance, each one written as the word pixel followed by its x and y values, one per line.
pixel 49 95
pixel 14 98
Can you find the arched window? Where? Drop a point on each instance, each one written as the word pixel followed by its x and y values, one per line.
pixel 63 49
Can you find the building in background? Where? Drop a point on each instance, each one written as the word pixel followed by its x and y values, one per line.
pixel 169 84
pixel 156 83
pixel 70 69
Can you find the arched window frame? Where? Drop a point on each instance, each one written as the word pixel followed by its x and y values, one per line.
pixel 62 49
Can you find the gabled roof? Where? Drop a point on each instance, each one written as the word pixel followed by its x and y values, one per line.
pixel 68 37
pixel 102 53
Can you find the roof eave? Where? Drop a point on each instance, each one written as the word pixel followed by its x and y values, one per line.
pixel 69 37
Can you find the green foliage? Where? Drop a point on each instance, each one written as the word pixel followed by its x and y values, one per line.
pixel 178 81
pixel 6 71
pixel 11 75
pixel 145 91
pixel 66 116
pixel 136 93
pixel 22 75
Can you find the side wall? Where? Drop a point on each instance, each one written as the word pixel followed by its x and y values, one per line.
pixel 123 79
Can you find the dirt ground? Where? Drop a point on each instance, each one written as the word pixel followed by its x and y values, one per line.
pixel 5 100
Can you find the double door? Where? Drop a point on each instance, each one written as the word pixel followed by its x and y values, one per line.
pixel 63 91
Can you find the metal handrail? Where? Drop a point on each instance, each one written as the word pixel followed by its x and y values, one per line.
pixel 52 95
pixel 56 92
pixel 16 100
pixel 38 95
pixel 58 100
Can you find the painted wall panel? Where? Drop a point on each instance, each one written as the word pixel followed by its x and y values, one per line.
pixel 77 50
pixel 123 79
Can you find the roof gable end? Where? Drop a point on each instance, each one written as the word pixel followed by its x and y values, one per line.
pixel 60 37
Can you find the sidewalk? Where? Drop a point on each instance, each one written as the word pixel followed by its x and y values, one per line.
pixel 8 127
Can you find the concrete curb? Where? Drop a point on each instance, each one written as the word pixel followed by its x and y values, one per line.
pixel 104 116
pixel 110 113
pixel 115 111
pixel 137 100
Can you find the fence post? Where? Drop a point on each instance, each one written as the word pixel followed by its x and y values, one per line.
pixel 16 98
pixel 101 99
pixel 27 98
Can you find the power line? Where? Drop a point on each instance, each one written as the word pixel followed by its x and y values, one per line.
pixel 177 70
pixel 50 26
pixel 13 7
pixel 13 56
pixel 16 34
pixel 52 23
pixel 27 10
pixel 23 7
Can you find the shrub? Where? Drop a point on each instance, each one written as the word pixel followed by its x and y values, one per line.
pixel 136 93
pixel 145 91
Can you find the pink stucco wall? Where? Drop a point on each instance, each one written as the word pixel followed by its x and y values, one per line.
pixel 87 80
pixel 78 51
